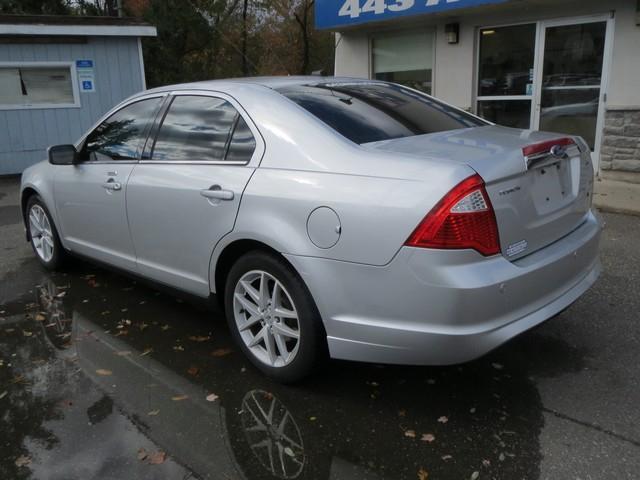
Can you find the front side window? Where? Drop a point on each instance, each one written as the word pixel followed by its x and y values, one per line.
pixel 370 112
pixel 34 86
pixel 196 129
pixel 121 136
pixel 405 58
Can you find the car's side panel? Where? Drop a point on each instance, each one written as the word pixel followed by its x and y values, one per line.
pixel 374 215
pixel 39 178
pixel 175 227
pixel 92 214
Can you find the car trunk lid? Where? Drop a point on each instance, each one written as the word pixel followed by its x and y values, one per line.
pixel 538 197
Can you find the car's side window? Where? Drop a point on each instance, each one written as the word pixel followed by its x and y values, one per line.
pixel 196 128
pixel 242 144
pixel 202 129
pixel 120 137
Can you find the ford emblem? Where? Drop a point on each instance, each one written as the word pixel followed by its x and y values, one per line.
pixel 558 151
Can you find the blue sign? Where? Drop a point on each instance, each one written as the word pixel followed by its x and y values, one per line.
pixel 87 85
pixel 337 13
pixel 84 63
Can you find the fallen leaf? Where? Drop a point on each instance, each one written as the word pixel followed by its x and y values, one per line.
pixel 61 294
pixel 27 333
pixel 446 457
pixel 475 475
pixel 122 333
pixel 153 413
pixel 486 463
pixel 142 454
pixel 3 394
pixel 288 451
pixel 212 397
pixel 165 327
pixel 221 352
pixel 146 351
pixel 40 317
pixel 431 381
pixel 157 458
pixel 178 348
pixel 501 457
pixel 402 413
pixel 22 461
pixel 443 419
pixel 193 370
pixel 313 419
pixel 410 433
pixel 472 410
pixel 497 366
pixel 123 353
pixel 423 474
pixel 178 398
pixel 103 372
pixel 199 338
pixel 427 437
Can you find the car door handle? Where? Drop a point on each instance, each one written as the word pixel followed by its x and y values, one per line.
pixel 111 184
pixel 216 192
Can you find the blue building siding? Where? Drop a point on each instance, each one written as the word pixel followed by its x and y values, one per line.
pixel 25 134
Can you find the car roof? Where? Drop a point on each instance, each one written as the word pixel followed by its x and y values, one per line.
pixel 273 82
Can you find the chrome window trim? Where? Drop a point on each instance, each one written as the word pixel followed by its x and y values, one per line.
pixel 192 162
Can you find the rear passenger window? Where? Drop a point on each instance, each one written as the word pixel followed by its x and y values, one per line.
pixel 242 143
pixel 196 128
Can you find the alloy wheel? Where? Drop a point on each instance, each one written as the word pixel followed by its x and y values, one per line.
pixel 41 234
pixel 266 318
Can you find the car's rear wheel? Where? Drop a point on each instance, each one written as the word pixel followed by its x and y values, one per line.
pixel 43 234
pixel 273 317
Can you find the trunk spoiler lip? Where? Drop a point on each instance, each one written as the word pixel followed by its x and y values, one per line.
pixel 554 150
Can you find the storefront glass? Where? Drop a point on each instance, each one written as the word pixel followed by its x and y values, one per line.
pixel 506 74
pixel 405 58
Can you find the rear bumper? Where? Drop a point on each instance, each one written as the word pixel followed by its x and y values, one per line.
pixel 436 307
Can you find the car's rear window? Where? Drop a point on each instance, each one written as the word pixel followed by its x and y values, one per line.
pixel 371 112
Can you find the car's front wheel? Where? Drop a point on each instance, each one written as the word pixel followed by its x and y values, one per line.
pixel 273 317
pixel 43 234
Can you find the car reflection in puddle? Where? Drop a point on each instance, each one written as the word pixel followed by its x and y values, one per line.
pixel 103 375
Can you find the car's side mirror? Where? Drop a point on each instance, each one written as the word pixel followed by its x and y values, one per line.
pixel 63 155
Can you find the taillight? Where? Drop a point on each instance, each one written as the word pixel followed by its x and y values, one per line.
pixel 463 219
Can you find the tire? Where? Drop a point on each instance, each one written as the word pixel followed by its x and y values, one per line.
pixel 43 235
pixel 264 322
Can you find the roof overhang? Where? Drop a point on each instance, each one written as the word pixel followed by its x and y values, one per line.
pixel 343 14
pixel 34 25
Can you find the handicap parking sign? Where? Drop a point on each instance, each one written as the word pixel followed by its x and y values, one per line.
pixel 87 85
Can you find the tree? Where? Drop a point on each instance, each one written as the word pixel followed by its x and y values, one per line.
pixel 35 7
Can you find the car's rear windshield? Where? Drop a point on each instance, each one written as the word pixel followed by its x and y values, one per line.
pixel 371 112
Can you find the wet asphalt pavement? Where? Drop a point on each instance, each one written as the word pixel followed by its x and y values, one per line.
pixel 104 377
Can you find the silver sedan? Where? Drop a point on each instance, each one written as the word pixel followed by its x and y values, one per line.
pixel 332 217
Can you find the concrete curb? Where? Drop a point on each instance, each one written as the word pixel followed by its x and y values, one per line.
pixel 617 197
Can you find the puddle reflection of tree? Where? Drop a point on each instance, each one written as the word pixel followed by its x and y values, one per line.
pixel 30 406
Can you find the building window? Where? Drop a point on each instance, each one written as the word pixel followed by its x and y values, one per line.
pixel 405 58
pixel 36 86
pixel 506 75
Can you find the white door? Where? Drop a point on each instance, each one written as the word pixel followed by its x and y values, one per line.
pixel 185 197
pixel 572 77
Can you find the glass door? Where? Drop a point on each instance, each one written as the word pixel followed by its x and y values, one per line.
pixel 572 79
pixel 506 67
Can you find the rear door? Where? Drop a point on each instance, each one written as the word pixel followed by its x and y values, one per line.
pixel 90 196
pixel 184 195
